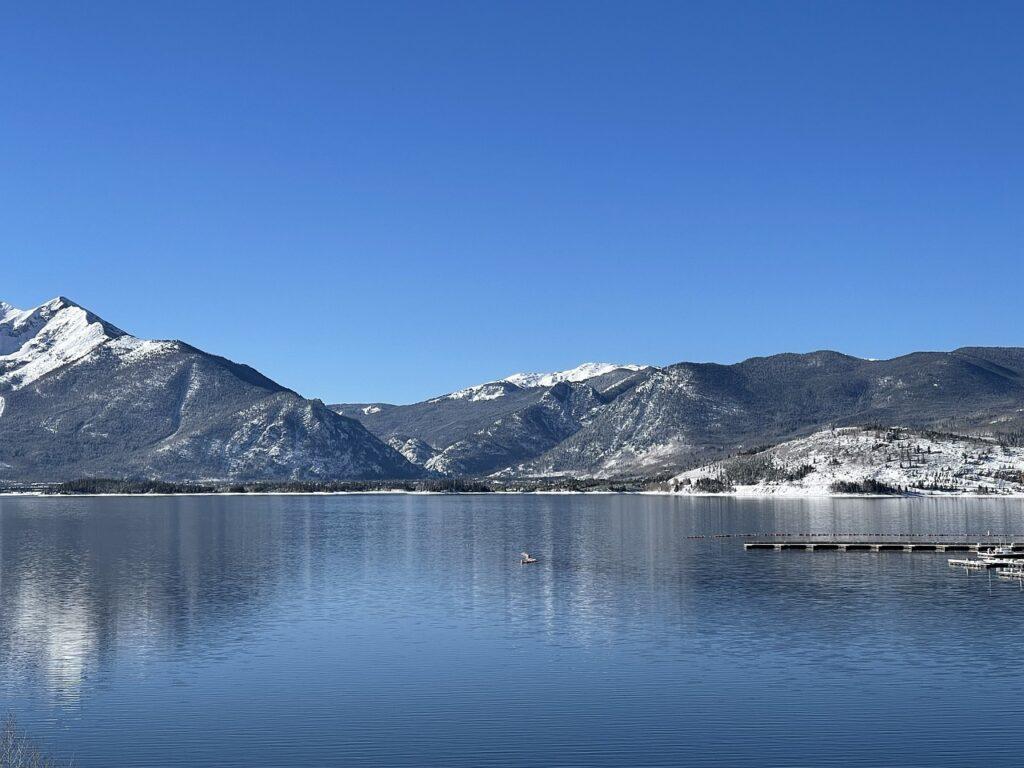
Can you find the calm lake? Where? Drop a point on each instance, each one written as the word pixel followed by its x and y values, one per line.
pixel 401 630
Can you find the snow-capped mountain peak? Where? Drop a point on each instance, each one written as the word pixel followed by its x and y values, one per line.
pixel 579 373
pixel 492 390
pixel 34 342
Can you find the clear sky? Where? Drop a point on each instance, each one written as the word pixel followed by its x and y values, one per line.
pixel 387 201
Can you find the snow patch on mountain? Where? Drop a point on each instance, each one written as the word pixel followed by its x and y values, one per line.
pixel 130 349
pixel 489 391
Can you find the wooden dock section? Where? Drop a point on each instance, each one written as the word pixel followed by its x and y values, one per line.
pixel 882 544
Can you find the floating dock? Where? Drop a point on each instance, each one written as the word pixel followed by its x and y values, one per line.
pixel 981 564
pixel 884 545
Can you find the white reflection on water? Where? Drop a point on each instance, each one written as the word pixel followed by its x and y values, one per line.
pixel 54 634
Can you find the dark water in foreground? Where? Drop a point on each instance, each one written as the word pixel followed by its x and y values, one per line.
pixel 372 630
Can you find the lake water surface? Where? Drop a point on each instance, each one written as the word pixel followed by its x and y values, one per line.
pixel 401 630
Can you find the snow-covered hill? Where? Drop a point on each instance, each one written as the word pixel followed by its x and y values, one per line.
pixel 884 459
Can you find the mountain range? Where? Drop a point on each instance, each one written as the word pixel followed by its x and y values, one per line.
pixel 81 398
pixel 636 422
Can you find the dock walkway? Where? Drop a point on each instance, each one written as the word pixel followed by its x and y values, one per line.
pixel 880 544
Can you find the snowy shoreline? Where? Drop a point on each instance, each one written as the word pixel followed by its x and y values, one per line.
pixel 755 492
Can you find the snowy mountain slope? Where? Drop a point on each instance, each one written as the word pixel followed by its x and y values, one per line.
pixel 437 422
pixel 524 433
pixel 911 460
pixel 649 429
pixel 415 451
pixel 476 433
pixel 489 391
pixel 82 398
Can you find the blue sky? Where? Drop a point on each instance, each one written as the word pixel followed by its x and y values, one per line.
pixel 389 201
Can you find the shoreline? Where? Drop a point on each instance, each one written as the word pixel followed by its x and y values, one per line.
pixel 399 492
